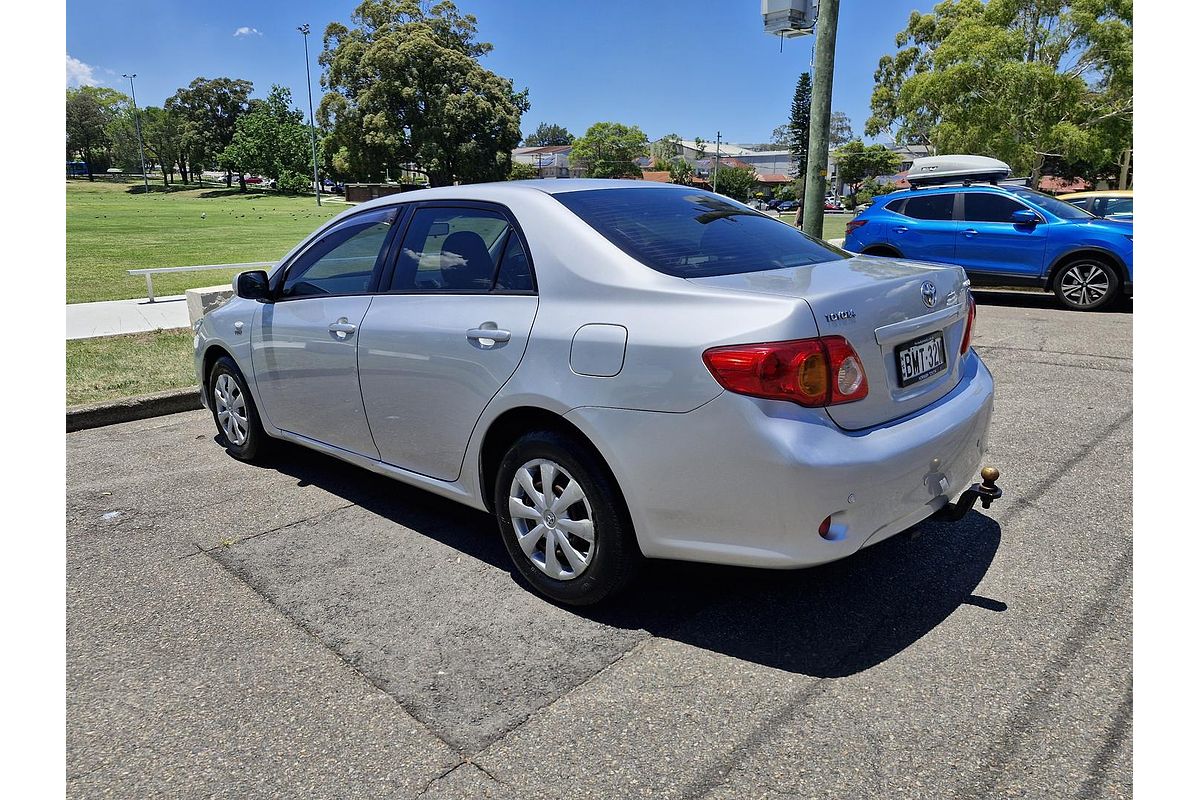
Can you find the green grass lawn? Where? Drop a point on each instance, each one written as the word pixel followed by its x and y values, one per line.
pixel 834 228
pixel 112 367
pixel 111 229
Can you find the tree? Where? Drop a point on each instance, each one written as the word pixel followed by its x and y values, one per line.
pixel 548 135
pixel 701 149
pixel 161 135
pixel 665 150
pixel 781 137
pixel 209 111
pixel 799 123
pixel 272 140
pixel 734 182
pixel 840 131
pixel 608 149
pixel 520 171
pixel 681 171
pixel 86 126
pixel 1021 80
pixel 406 87
pixel 857 162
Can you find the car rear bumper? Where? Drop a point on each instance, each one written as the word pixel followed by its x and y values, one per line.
pixel 746 481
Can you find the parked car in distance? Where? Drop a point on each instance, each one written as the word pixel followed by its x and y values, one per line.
pixel 615 370
pixel 1109 203
pixel 1002 234
pixel 788 205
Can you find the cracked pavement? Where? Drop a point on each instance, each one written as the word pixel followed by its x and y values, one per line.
pixel 308 629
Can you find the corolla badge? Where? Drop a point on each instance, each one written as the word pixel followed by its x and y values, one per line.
pixel 928 294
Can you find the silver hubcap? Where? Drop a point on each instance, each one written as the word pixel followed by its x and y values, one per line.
pixel 1084 284
pixel 552 518
pixel 231 409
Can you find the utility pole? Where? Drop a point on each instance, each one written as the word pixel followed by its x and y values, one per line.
pixel 137 124
pixel 312 129
pixel 818 130
pixel 712 173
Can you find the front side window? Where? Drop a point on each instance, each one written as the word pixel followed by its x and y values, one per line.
pixel 693 234
pixel 451 250
pixel 989 207
pixel 343 261
pixel 1057 207
pixel 1119 205
pixel 930 206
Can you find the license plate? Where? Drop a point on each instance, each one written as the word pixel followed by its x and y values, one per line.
pixel 920 359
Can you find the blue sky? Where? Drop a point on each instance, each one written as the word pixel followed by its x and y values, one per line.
pixel 691 68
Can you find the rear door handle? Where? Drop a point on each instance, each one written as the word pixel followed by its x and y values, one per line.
pixel 970 232
pixel 343 328
pixel 900 229
pixel 494 335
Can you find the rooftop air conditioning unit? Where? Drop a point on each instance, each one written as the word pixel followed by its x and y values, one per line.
pixel 934 170
pixel 789 18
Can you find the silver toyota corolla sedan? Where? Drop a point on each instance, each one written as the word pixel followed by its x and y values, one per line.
pixel 615 369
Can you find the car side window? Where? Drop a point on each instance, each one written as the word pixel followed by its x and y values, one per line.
pixel 896 205
pixel 1119 205
pixel 343 261
pixel 514 274
pixel 989 207
pixel 930 206
pixel 1084 203
pixel 450 250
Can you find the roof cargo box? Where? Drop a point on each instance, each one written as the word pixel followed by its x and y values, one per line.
pixel 953 169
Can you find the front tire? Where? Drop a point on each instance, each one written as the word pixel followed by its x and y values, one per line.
pixel 563 521
pixel 1086 284
pixel 234 412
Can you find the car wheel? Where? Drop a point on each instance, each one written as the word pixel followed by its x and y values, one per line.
pixel 1087 284
pixel 880 251
pixel 234 412
pixel 563 520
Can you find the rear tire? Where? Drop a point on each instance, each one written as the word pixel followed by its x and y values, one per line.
pixel 238 426
pixel 548 538
pixel 886 252
pixel 1086 284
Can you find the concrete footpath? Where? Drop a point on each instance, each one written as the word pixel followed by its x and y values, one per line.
pixel 88 320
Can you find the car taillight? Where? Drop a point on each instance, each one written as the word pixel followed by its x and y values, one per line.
pixel 966 342
pixel 854 225
pixel 811 372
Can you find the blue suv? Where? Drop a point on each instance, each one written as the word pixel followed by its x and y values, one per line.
pixel 1003 235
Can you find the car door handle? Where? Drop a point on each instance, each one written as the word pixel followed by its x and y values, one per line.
pixel 343 328
pixel 900 229
pixel 494 334
pixel 970 232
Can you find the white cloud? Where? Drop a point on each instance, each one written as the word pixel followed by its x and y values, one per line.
pixel 247 31
pixel 80 74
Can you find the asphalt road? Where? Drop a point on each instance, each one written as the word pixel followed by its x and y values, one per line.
pixel 307 629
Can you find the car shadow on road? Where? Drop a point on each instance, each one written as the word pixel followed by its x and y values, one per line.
pixel 828 621
pixel 1017 298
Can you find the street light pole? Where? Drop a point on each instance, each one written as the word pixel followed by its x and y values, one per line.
pixel 716 164
pixel 137 123
pixel 312 130
pixel 818 129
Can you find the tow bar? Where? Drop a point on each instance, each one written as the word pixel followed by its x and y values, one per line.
pixel 984 492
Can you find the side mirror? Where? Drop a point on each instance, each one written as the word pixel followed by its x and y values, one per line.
pixel 252 285
pixel 1025 217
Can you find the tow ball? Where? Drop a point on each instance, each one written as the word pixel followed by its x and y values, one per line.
pixel 984 492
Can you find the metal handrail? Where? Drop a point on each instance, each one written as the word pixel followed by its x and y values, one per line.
pixel 151 271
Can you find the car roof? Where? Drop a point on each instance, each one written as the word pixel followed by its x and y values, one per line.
pixel 1097 193
pixel 941 188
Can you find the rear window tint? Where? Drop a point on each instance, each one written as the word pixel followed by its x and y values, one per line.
pixel 896 205
pixel 691 234
pixel 930 206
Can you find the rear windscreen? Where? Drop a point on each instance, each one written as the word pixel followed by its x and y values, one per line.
pixel 694 234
